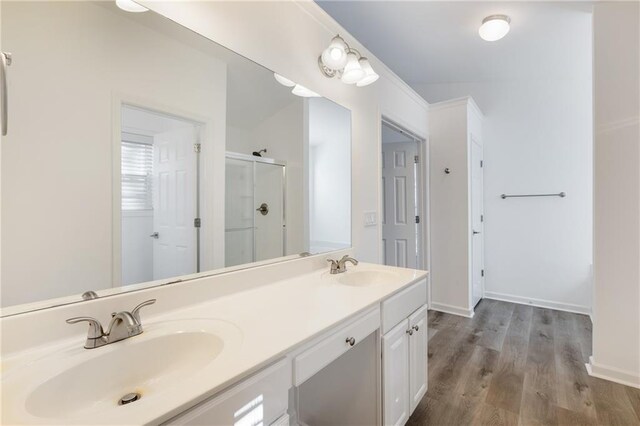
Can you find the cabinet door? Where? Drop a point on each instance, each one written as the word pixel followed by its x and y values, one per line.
pixel 418 372
pixel 395 375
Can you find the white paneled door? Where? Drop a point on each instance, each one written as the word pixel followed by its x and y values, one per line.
pixel 399 230
pixel 174 247
pixel 477 219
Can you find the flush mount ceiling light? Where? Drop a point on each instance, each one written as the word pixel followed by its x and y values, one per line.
pixel 494 27
pixel 346 63
pixel 130 6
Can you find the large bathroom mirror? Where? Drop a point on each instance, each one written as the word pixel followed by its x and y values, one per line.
pixel 140 153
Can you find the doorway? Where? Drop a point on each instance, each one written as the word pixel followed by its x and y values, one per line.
pixel 477 222
pixel 159 195
pixel 402 197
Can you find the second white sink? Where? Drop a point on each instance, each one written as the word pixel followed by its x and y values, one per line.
pixel 361 278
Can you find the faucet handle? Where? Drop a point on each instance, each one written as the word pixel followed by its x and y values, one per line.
pixel 136 311
pixel 95 328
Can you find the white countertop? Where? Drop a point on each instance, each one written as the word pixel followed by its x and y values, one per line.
pixel 272 320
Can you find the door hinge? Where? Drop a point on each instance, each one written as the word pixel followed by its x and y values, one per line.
pixel 482 273
pixel 481 163
pixel 416 159
pixel 481 218
pixel 197 222
pixel 197 148
pixel 417 219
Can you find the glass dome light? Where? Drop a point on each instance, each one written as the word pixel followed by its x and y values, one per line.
pixel 494 27
pixel 335 56
pixel 130 6
pixel 300 90
pixel 369 74
pixel 284 81
pixel 353 71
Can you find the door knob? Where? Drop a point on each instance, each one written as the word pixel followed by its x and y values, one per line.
pixel 264 209
pixel 155 235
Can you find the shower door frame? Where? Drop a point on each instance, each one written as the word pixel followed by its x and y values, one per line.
pixel 253 159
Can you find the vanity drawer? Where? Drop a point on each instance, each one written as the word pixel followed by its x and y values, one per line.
pixel 401 305
pixel 265 392
pixel 322 354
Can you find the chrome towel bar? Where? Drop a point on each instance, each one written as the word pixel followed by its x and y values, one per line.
pixel 560 194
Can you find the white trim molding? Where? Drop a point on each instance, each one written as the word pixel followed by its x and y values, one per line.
pixel 540 303
pixel 613 374
pixel 450 309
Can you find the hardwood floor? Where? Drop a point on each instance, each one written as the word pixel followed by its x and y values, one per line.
pixel 517 365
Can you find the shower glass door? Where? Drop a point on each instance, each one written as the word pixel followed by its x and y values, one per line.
pixel 254 210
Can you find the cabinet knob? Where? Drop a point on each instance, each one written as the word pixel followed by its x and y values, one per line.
pixel 351 341
pixel 416 328
pixel 410 331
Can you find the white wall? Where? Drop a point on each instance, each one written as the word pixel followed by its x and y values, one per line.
pixel 329 175
pixel 616 326
pixel 68 88
pixel 262 31
pixel 449 207
pixel 537 139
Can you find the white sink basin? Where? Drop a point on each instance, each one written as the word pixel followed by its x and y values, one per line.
pixel 88 383
pixel 363 278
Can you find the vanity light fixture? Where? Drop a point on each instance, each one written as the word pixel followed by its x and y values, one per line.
pixel 130 6
pixel 298 89
pixel 346 63
pixel 284 81
pixel 494 27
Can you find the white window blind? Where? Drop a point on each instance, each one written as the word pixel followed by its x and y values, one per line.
pixel 137 173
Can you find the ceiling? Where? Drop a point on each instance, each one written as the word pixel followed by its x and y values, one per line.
pixel 437 42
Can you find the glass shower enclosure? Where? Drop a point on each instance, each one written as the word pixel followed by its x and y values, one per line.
pixel 254 209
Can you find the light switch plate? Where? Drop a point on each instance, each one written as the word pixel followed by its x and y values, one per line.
pixel 370 218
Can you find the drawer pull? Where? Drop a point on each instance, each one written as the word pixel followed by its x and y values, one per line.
pixel 351 341
pixel 410 331
pixel 416 328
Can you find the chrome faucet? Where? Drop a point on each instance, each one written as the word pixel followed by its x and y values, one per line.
pixel 340 266
pixel 122 326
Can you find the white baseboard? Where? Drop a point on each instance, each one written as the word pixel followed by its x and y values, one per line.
pixel 454 310
pixel 540 303
pixel 613 374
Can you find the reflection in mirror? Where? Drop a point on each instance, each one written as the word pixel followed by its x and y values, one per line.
pixel 140 153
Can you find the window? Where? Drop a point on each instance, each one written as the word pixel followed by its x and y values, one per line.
pixel 137 174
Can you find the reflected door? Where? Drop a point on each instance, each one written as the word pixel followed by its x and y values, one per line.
pixel 269 211
pixel 174 244
pixel 399 230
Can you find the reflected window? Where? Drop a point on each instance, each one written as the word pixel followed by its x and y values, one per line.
pixel 137 172
pixel 251 414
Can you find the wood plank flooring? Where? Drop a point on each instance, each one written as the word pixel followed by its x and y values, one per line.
pixel 517 365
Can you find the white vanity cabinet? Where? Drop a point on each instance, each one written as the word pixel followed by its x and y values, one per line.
pixel 261 399
pixel 404 353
